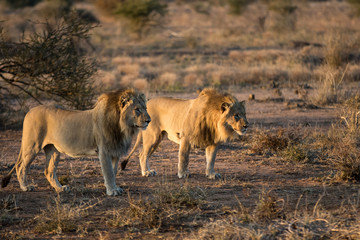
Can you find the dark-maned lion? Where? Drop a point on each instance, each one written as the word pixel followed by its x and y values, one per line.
pixel 205 122
pixel 106 131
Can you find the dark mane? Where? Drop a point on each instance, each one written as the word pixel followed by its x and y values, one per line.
pixel 107 119
pixel 205 116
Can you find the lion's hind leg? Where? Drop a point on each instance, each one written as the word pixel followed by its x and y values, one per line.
pixel 52 160
pixel 26 157
pixel 150 144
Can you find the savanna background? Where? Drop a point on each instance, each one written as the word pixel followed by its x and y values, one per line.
pixel 295 175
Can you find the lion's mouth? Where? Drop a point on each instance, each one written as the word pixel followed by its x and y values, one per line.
pixel 142 127
pixel 241 132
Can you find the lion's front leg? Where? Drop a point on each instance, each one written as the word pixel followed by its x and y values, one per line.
pixel 109 175
pixel 210 162
pixel 183 170
pixel 115 163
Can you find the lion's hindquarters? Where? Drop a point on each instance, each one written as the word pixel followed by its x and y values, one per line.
pixel 34 131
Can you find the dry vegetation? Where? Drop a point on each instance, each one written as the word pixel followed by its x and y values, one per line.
pixel 294 176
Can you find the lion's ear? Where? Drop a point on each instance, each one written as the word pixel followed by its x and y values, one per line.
pixel 224 106
pixel 124 100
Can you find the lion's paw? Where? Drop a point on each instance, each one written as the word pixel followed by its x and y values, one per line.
pixel 114 192
pixel 184 174
pixel 65 188
pixel 214 176
pixel 28 188
pixel 150 173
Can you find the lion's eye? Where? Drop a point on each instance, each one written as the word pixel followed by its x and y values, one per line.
pixel 137 110
pixel 237 117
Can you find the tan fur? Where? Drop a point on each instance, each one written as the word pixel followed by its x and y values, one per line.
pixel 207 121
pixel 106 131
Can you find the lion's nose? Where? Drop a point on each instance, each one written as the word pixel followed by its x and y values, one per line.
pixel 245 126
pixel 148 120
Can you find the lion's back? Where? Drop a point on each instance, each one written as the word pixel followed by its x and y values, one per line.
pixel 168 111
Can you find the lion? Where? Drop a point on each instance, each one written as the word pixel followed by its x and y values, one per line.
pixel 105 131
pixel 205 122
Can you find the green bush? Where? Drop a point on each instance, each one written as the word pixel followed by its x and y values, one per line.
pixel 237 7
pixel 296 152
pixel 356 5
pixel 22 3
pixel 285 18
pixel 141 13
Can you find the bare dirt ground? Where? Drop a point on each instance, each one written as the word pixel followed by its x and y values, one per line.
pixel 244 177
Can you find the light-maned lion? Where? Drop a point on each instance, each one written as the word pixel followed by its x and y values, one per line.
pixel 105 131
pixel 205 122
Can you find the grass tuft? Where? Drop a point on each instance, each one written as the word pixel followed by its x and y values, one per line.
pixel 167 206
pixel 60 217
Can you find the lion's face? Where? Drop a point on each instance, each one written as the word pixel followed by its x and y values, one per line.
pixel 234 118
pixel 135 112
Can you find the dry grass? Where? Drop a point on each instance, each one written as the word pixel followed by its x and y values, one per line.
pixel 255 56
pixel 340 145
pixel 316 223
pixel 273 141
pixel 61 217
pixel 268 207
pixel 168 206
pixel 293 144
pixel 330 87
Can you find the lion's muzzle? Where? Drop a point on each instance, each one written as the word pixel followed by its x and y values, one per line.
pixel 145 124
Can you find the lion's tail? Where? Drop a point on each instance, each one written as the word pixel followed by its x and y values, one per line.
pixel 5 181
pixel 137 143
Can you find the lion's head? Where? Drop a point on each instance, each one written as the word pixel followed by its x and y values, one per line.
pixel 121 114
pixel 216 117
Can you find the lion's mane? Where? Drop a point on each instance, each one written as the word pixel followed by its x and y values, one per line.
pixel 203 118
pixel 107 116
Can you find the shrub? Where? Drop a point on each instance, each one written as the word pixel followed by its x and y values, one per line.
pixel 237 7
pixel 141 13
pixel 270 142
pixel 22 3
pixel 291 144
pixel 51 63
pixel 356 5
pixel 285 19
pixel 296 152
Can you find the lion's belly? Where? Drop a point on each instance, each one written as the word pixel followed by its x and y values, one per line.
pixel 175 137
pixel 76 152
pixel 72 145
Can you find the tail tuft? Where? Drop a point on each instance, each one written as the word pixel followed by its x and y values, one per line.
pixel 123 164
pixel 5 181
